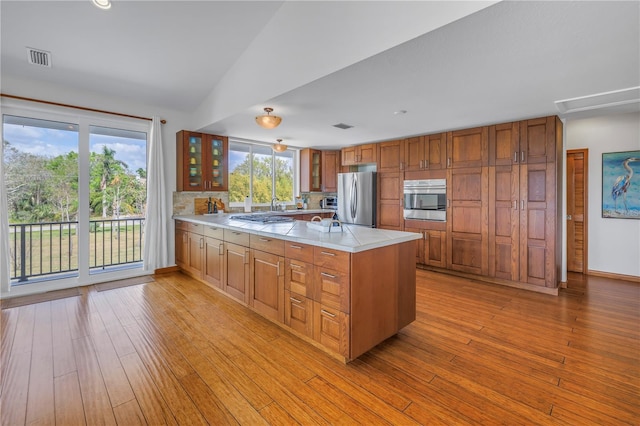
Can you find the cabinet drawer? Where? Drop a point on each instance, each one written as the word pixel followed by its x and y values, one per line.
pixel 196 228
pixel 332 259
pixel 298 313
pixel 267 244
pixel 214 232
pixel 331 288
pixel 303 252
pixel 181 224
pixel 236 237
pixel 299 277
pixel 331 328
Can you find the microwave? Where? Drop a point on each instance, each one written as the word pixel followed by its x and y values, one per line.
pixel 425 199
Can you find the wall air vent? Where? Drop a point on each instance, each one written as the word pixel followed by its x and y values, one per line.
pixel 342 126
pixel 39 57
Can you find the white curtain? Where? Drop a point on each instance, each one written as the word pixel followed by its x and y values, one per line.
pixel 156 234
pixel 4 228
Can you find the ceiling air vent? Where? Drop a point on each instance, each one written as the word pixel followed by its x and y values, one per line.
pixel 39 57
pixel 342 126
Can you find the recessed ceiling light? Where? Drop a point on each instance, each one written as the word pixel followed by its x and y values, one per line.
pixel 400 112
pixel 102 4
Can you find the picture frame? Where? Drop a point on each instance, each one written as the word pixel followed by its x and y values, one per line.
pixel 621 185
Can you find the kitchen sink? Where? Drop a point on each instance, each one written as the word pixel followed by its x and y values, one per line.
pixel 262 218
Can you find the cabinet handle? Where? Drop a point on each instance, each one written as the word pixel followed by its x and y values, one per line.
pixel 327 253
pixel 236 232
pixel 245 258
pixel 294 266
pixel 265 240
pixel 221 249
pixel 521 204
pixel 448 203
pixel 448 161
pixel 522 156
pixel 213 229
pixel 327 313
pixel 278 269
pixel 295 247
pixel 515 157
pixel 324 274
pixel 184 238
pixel 402 165
pixel 201 242
pixel 515 204
pixel 421 162
pixel 426 164
pixel 293 299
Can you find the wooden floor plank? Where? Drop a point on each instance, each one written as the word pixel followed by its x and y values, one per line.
pixel 175 351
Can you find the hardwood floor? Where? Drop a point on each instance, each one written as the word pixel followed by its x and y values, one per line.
pixel 174 351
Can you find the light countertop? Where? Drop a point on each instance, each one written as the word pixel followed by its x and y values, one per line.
pixel 352 239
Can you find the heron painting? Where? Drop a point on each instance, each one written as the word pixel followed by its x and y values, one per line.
pixel 621 185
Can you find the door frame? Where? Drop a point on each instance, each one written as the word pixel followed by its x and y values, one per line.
pixel 585 248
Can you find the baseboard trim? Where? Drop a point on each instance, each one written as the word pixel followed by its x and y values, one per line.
pixel 632 278
pixel 167 270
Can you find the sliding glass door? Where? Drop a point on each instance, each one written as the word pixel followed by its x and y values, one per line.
pixel 76 191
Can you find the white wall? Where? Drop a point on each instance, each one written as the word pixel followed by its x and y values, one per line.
pixel 614 244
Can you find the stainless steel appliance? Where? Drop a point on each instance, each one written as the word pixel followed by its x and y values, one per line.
pixel 329 203
pixel 425 199
pixel 357 198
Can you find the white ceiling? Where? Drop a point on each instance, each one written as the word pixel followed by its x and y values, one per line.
pixel 448 64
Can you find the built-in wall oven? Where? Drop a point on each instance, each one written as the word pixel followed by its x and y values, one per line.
pixel 425 199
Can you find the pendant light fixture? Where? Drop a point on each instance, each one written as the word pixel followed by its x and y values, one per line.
pixel 278 147
pixel 268 121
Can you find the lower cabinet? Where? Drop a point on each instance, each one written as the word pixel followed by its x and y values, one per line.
pixel 298 313
pixel 431 250
pixel 307 288
pixel 266 294
pixel 331 328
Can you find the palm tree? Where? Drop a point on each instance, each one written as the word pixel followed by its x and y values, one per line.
pixel 110 166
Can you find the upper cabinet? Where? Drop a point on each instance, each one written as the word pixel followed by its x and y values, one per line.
pixel 360 154
pixel 310 170
pixel 330 164
pixel 201 161
pixel 391 157
pixel 524 142
pixel 318 170
pixel 425 152
pixel 468 148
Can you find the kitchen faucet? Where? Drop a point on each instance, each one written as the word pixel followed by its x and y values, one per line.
pixel 273 206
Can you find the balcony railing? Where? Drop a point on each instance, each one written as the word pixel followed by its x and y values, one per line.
pixel 51 248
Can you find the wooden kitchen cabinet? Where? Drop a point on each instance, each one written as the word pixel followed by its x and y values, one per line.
pixel 330 165
pixel 391 158
pixel 237 268
pixel 213 271
pixel 390 201
pixel 299 277
pixel 431 249
pixel 266 294
pixel 468 148
pixel 523 200
pixel 190 248
pixel 310 170
pixel 467 220
pixel 359 154
pixel 202 161
pixel 298 313
pixel 331 328
pixel 426 152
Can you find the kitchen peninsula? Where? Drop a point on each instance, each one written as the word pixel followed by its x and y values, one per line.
pixel 343 291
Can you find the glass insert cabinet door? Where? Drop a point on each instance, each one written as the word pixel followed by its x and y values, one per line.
pixel 202 161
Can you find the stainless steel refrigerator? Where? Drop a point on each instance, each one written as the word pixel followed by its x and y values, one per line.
pixel 357 198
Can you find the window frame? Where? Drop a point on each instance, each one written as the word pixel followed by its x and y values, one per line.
pixel 84 120
pixel 296 172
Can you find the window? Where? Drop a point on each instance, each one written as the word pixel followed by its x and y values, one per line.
pixel 256 170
